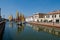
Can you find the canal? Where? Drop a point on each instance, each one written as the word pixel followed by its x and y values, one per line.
pixel 26 32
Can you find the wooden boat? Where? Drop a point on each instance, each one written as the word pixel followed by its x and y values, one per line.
pixel 21 20
pixel 20 23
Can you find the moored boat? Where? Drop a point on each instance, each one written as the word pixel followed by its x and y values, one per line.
pixel 20 19
pixel 20 23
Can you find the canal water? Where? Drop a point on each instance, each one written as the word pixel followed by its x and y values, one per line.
pixel 26 32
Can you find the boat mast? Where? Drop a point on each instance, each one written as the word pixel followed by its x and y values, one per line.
pixel 0 12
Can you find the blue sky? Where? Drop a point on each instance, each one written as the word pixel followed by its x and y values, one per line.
pixel 28 7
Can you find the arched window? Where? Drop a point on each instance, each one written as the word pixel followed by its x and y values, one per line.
pixel 55 16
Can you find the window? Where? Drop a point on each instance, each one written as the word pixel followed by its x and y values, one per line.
pixel 55 16
pixel 59 15
pixel 52 16
pixel 47 16
pixel 57 20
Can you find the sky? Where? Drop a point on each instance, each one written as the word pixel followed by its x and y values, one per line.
pixel 28 7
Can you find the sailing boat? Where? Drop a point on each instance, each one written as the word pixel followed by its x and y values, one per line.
pixel 21 20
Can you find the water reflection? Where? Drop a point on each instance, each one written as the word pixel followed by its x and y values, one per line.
pixel 20 28
pixel 11 24
pixel 51 30
pixel 28 32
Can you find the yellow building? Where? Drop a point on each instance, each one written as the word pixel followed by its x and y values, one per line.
pixel 10 18
pixel 22 18
pixel 19 17
pixel 17 14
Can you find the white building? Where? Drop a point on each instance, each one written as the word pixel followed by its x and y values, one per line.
pixel 54 16
pixel 36 17
pixel 29 19
pixel 49 17
pixel 39 17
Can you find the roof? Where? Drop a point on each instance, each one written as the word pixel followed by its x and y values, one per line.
pixel 39 13
pixel 55 12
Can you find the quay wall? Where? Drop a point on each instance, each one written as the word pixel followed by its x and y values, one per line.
pixel 55 25
pixel 2 28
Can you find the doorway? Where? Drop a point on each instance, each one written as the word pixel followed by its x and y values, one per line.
pixel 57 20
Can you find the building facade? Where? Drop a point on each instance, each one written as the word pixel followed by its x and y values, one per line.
pixel 36 17
pixel 49 17
pixel 53 16
pixel 29 19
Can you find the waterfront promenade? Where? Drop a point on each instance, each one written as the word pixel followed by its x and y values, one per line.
pixel 56 25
